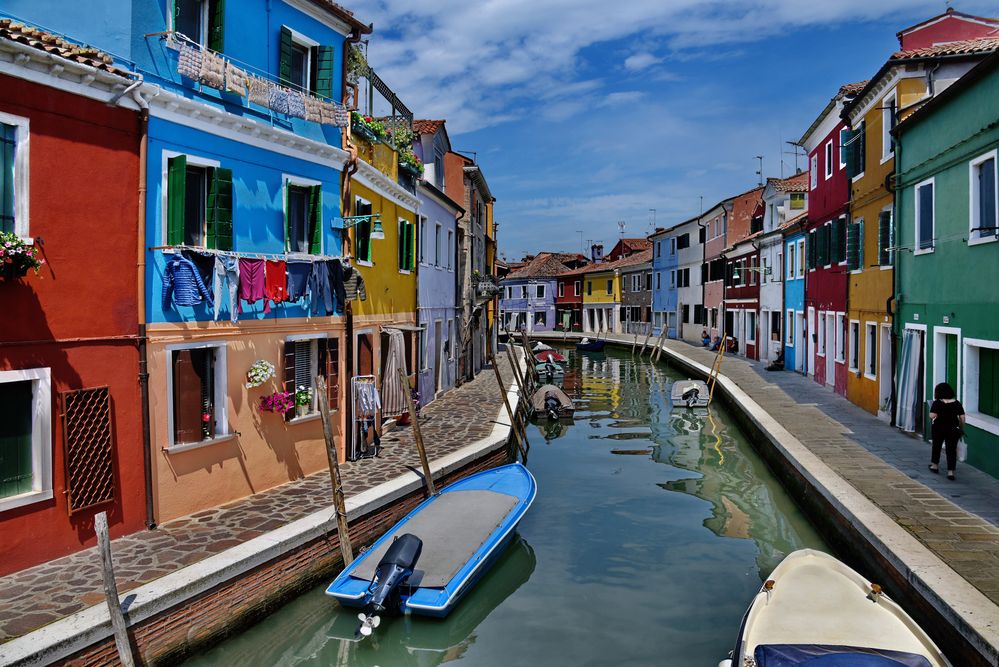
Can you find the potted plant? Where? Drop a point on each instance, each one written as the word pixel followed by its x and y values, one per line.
pixel 260 372
pixel 17 256
pixel 366 127
pixel 303 401
pixel 409 163
pixel 357 64
pixel 280 402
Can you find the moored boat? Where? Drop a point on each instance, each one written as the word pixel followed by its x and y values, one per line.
pixel 551 402
pixel 541 347
pixel 428 561
pixel 587 345
pixel 815 610
pixel 549 355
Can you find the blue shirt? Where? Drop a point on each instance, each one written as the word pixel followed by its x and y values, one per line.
pixel 181 278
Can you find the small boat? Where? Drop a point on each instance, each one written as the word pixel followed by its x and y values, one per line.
pixel 551 402
pixel 549 355
pixel 549 369
pixel 587 345
pixel 541 347
pixel 429 560
pixel 690 394
pixel 815 610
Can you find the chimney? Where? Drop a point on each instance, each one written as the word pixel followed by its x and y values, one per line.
pixel 597 253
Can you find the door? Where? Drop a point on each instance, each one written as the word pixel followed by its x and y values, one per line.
pixel 813 332
pixel 884 370
pixel 801 354
pixel 830 349
pixel 729 322
pixel 438 358
pixel 365 355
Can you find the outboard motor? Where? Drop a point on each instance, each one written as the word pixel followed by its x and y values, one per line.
pixel 395 567
pixel 550 370
pixel 690 396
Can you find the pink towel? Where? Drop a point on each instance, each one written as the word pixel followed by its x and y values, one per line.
pixel 252 283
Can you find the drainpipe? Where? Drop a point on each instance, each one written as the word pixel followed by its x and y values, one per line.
pixel 704 291
pixel 890 301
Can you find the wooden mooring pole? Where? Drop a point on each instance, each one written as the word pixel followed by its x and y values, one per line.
pixel 111 591
pixel 339 503
pixel 514 423
pixel 521 380
pixel 417 434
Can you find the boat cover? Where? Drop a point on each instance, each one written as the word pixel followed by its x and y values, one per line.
pixel 452 528
pixel 538 399
pixel 818 655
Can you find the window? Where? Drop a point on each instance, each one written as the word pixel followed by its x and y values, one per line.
pixel 659 280
pixel 801 258
pixel 775 326
pixel 924 217
pixel 437 245
pixel 303 227
pixel 450 249
pixel 672 279
pixel 981 383
pixel 790 261
pixel 509 292
pixel 855 246
pixel 888 118
pixel 683 241
pixel 844 136
pixel 857 151
pixel 540 319
pixel 198 203
pixel 797 201
pixel 672 246
pixel 886 238
pixel 421 238
pixel 779 265
pixel 200 20
pixel 539 291
pixel 648 281
pixel 589 287
pixel 577 287
pixel 14 175
pixel 659 248
pixel 829 160
pixel 854 345
pixel 636 282
pixel 362 232
pixel 821 336
pixel 610 286
pixel 305 64
pixel 984 194
pixel 813 250
pixel 750 326
pixel 405 242
pixel 871 351
pixel 789 328
pixel 25 437
pixel 813 172
pixel 197 391
pixel 561 289
pixel 305 358
pixel 840 333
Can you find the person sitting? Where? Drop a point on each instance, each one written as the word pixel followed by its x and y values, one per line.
pixel 705 338
pixel 778 363
pixel 715 344
pixel 732 345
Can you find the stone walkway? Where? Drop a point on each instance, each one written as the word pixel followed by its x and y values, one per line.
pixel 958 521
pixel 40 595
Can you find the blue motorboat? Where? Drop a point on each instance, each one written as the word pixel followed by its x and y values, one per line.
pixel 429 560
pixel 587 345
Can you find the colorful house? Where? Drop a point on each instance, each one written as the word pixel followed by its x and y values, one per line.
pixel 715 223
pixel 601 298
pixel 741 296
pixel 437 271
pixel 908 78
pixel 569 300
pixel 828 206
pixel 70 418
pixel 948 266
pixel 691 318
pixel 527 295
pixel 664 281
pixel 636 293
pixel 795 327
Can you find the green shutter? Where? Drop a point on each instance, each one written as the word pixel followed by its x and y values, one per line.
pixel 884 238
pixel 216 25
pixel 811 250
pixel 950 341
pixel 988 382
pixel 838 250
pixel 176 190
pixel 284 65
pixel 855 246
pixel 316 219
pixel 410 263
pixel 324 71
pixel 219 212
pixel 15 438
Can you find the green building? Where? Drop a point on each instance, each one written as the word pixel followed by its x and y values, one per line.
pixel 947 277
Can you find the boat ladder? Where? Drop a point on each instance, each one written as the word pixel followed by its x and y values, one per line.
pixel 716 367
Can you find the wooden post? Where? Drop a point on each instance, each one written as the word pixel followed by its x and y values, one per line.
pixel 516 375
pixel 417 434
pixel 339 504
pixel 530 358
pixel 659 343
pixel 111 591
pixel 514 424
pixel 645 344
pixel 634 343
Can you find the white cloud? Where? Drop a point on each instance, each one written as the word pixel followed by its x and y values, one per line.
pixel 640 61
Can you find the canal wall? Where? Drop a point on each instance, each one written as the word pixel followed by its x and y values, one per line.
pixel 962 621
pixel 200 605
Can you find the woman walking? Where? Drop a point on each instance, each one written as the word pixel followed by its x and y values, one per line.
pixel 947 414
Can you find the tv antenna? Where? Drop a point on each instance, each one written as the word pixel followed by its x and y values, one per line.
pixel 652 220
pixel 759 172
pixel 797 150
pixel 621 224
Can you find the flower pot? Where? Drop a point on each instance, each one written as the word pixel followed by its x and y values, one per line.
pixel 412 170
pixel 362 131
pixel 12 271
pixel 301 410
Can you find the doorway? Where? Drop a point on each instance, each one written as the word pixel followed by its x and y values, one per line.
pixel 438 358
pixel 830 349
pixel 884 370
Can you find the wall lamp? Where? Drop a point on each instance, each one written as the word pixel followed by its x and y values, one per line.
pixel 762 270
pixel 377 233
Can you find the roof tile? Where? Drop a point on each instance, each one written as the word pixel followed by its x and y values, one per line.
pixel 58 46
pixel 962 47
pixel 427 126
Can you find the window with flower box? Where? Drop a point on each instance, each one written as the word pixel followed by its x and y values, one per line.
pixel 197 392
pixel 305 357
pixel 14 175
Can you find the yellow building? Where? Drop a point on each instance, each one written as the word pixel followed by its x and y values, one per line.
pixel 894 92
pixel 601 300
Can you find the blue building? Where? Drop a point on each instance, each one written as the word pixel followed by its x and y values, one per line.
pixel 795 327
pixel 436 295
pixel 665 258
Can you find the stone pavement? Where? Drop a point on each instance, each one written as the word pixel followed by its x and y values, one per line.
pixel 958 521
pixel 40 595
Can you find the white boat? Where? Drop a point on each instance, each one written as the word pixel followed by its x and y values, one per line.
pixel 689 394
pixel 815 610
pixel 541 347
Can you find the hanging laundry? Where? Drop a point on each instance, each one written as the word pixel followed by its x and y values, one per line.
pixel 259 90
pixel 341 116
pixel 183 284
pixel 336 284
pixel 235 80
pixel 278 99
pixel 313 109
pixel 296 104
pixel 203 262
pixel 275 283
pixel 327 113
pixel 320 296
pixel 298 278
pixel 368 400
pixel 353 284
pixel 189 61
pixel 212 69
pixel 227 278
pixel 252 282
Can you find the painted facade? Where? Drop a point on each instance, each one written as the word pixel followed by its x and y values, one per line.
pixel 946 201
pixel 691 317
pixel 636 294
pixel 569 300
pixel 70 336
pixel 742 295
pixel 795 329
pixel 715 223
pixel 664 281
pixel 601 300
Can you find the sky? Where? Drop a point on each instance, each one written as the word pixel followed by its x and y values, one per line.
pixel 586 113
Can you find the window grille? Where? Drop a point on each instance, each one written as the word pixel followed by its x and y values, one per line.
pixel 88 445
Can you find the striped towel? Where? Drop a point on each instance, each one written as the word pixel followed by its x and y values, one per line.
pixel 235 80
pixel 212 70
pixel 189 61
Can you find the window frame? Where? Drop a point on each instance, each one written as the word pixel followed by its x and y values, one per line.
pixel 820 334
pixel 750 330
pixel 970 380
pixel 578 287
pixel 853 333
pixel 540 290
pixel 813 171
pixel 311 47
pixel 22 174
pixel 358 200
pixel 41 437
pixel 789 328
pixel 313 339
pixel 290 180
pixel 561 289
pixel 870 351
pixel 203 37
pixel 828 155
pixel 402 231
pixel 437 245
pixel 221 396
pixel 974 197
pixel 192 161
pixel 917 209
pixel 887 114
pixel 610 286
pixel 800 269
pixel 792 255
pixel 839 334
pixel 842 147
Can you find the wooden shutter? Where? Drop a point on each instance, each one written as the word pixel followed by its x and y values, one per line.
pixel 176 192
pixel 15 437
pixel 884 238
pixel 288 379
pixel 316 219
pixel 810 250
pixel 188 395
pixel 216 25
pixel 285 53
pixel 986 196
pixel 852 245
pixel 838 240
pixel 219 214
pixel 329 366
pixel 325 60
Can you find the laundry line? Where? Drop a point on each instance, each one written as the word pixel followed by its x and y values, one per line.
pixel 292 256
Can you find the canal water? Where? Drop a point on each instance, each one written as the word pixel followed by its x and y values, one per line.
pixel 651 532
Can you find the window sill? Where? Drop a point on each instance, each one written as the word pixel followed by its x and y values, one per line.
pixel 885 158
pixel 854 369
pixel 872 378
pixel 982 240
pixel 924 251
pixel 29 498
pixel 405 272
pixel 983 422
pixel 176 449
pixel 841 361
pixel 311 417
pixel 887 267
pixel 359 262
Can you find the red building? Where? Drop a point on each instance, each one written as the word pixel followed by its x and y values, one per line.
pixel 70 419
pixel 828 204
pixel 742 272
pixel 951 26
pixel 569 293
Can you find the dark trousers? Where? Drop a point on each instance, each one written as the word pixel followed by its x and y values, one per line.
pixel 951 441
